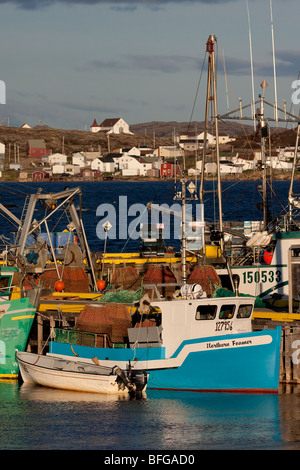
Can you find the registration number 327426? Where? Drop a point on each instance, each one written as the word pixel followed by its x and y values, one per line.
pixel 261 276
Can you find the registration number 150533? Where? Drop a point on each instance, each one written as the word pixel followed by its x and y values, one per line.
pixel 261 276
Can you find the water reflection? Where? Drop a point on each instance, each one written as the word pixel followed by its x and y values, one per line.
pixel 290 414
pixel 41 418
pixel 36 393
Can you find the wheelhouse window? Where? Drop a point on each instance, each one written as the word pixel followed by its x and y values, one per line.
pixel 244 311
pixel 206 312
pixel 4 283
pixel 226 312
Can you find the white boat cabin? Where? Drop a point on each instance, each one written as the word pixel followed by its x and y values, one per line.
pixel 183 320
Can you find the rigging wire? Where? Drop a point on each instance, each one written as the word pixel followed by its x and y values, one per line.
pixel 197 91
pixel 236 109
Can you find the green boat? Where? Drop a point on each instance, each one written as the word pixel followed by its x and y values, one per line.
pixel 17 313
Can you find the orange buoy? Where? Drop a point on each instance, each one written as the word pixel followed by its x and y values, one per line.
pixel 267 257
pixel 59 286
pixel 101 284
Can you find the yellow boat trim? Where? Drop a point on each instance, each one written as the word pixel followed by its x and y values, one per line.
pixel 23 317
pixel 121 255
pixel 149 260
pixel 81 295
pixel 5 377
pixel 276 316
pixel 43 307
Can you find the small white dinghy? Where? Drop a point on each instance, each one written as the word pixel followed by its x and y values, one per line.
pixel 69 374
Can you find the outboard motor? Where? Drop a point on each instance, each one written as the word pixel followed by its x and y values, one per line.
pixel 139 379
pixel 135 381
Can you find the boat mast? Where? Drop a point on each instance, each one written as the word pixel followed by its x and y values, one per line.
pixel 291 197
pixel 264 136
pixel 212 96
pixel 251 63
pixel 274 65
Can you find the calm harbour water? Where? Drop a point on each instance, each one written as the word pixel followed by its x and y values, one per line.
pixel 36 418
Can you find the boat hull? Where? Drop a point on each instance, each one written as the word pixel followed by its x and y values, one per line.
pixel 246 362
pixel 16 319
pixel 34 371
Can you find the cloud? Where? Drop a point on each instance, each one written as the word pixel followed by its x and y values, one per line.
pixel 155 63
pixel 39 4
pixel 287 65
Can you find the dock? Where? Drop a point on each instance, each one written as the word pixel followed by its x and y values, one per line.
pixel 290 340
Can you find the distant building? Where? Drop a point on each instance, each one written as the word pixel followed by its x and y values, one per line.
pixel 193 141
pixel 169 170
pixel 105 164
pixel 79 159
pixel 95 127
pixel 36 148
pixel 87 173
pixel 168 152
pixel 111 126
pixel 2 150
pixel 40 176
pixel 57 158
pixel 90 156
pixel 58 169
pixel 15 166
pixel 131 165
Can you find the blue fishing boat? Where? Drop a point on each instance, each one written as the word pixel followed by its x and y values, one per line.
pixel 188 344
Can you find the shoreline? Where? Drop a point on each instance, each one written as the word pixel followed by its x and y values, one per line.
pixel 253 177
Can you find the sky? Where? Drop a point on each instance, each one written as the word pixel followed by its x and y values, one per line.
pixel 66 62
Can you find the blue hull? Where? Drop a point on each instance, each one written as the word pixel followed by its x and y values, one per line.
pixel 247 362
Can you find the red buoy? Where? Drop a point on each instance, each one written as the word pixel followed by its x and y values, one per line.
pixel 59 286
pixel 101 284
pixel 267 257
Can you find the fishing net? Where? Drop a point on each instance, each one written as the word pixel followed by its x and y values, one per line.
pixel 111 319
pixel 159 274
pixel 74 278
pixel 207 277
pixel 122 296
pixel 126 277
pixel 227 293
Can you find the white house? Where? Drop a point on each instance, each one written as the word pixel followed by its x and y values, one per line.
pixel 2 150
pixel 131 151
pixel 224 138
pixel 168 152
pixel 130 165
pixel 105 164
pixel 58 169
pixel 286 152
pixel 71 169
pixel 57 158
pixel 210 168
pixel 227 168
pixel 111 126
pixel 193 141
pixel 248 161
pixel 79 159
